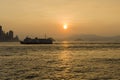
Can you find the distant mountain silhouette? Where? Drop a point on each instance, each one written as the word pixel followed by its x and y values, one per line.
pixel 94 38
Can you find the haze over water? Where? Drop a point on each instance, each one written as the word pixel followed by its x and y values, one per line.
pixel 60 61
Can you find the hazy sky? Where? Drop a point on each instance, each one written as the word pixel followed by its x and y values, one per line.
pixel 37 17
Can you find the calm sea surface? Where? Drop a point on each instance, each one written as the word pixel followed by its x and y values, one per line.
pixel 60 61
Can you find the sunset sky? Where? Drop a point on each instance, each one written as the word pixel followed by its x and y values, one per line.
pixel 37 17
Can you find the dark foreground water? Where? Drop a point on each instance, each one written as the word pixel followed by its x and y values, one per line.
pixel 60 61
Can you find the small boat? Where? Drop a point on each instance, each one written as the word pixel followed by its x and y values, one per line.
pixel 37 41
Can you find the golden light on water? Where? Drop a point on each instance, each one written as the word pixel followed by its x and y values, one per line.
pixel 65 56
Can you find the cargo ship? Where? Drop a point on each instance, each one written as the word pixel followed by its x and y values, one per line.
pixel 28 40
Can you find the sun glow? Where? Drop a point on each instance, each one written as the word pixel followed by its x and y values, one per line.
pixel 65 26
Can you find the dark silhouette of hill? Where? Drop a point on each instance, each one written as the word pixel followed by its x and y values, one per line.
pixel 89 37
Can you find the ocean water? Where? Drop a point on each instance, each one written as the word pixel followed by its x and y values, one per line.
pixel 60 61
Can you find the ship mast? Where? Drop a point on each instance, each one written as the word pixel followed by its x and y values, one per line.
pixel 45 36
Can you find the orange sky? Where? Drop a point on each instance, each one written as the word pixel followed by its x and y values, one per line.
pixel 37 17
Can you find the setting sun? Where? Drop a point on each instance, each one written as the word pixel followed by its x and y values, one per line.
pixel 65 26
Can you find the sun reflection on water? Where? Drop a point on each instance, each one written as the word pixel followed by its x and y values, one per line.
pixel 65 57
